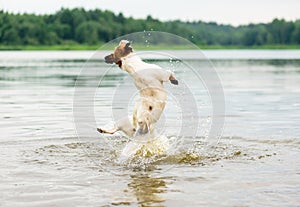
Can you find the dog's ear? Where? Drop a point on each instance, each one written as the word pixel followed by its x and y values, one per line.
pixel 128 47
pixel 110 58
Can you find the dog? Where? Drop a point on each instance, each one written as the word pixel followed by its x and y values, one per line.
pixel 148 79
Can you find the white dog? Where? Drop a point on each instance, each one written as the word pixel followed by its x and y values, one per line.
pixel 148 78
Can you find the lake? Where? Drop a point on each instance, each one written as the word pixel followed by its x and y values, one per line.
pixel 51 157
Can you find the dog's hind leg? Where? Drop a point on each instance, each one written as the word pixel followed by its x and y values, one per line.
pixel 124 125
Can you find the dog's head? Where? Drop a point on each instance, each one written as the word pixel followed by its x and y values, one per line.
pixel 122 50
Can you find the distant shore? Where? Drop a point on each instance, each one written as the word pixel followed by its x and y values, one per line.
pixel 139 47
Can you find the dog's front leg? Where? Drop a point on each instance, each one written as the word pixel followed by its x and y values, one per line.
pixel 167 75
pixel 105 131
pixel 173 79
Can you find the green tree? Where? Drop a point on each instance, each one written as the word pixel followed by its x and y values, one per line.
pixel 93 26
pixel 11 37
pixel 295 38
pixel 87 32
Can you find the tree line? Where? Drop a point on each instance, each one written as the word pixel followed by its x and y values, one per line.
pixel 79 26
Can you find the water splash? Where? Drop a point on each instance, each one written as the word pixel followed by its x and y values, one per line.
pixel 144 150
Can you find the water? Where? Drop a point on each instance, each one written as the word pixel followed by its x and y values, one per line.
pixel 43 163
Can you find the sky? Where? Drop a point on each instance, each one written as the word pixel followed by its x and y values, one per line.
pixel 234 12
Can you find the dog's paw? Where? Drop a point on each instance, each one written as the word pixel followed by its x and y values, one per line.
pixel 175 82
pixel 100 130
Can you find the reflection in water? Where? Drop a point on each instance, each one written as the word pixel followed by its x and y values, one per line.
pixel 147 189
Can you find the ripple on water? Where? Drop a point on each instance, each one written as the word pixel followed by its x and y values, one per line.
pixel 95 155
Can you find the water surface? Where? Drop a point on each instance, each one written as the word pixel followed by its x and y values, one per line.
pixel 43 163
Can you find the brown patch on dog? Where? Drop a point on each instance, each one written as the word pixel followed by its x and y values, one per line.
pixel 119 63
pixel 122 50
